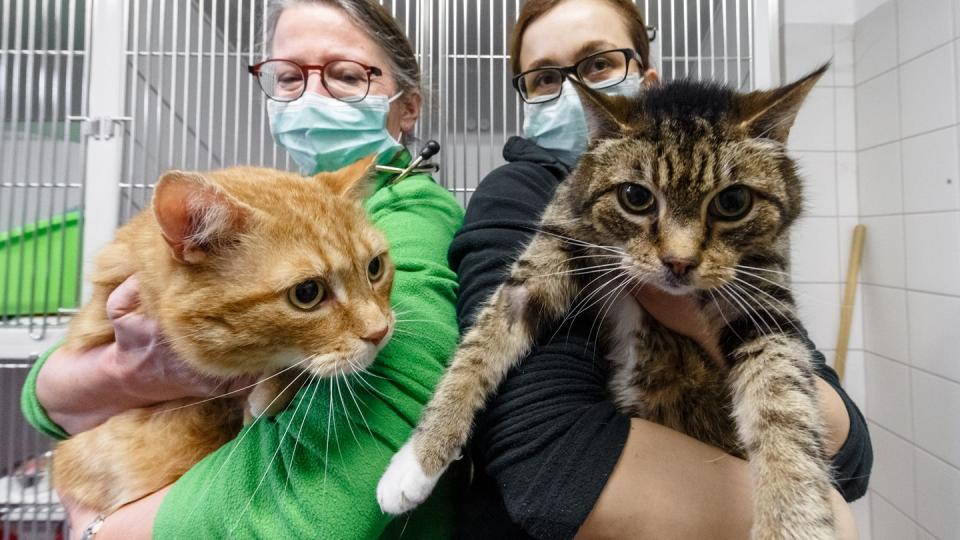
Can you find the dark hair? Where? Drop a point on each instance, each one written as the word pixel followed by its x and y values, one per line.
pixel 534 9
pixel 376 22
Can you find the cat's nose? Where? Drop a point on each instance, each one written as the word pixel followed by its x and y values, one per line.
pixel 680 266
pixel 376 337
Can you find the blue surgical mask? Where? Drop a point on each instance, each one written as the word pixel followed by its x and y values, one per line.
pixel 325 134
pixel 560 125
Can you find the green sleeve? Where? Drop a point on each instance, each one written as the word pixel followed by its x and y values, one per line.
pixel 312 470
pixel 32 409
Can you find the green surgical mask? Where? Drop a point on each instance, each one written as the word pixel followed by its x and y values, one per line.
pixel 324 134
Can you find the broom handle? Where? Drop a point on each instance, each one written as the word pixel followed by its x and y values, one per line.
pixel 849 296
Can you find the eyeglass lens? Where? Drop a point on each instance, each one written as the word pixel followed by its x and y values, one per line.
pixel 284 80
pixel 600 70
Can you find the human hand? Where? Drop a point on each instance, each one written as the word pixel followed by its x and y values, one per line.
pixel 144 364
pixel 683 315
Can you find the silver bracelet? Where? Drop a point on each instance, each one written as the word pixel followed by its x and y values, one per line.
pixel 93 528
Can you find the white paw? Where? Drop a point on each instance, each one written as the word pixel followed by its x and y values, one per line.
pixel 404 485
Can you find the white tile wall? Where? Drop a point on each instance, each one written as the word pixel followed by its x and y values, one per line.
pixel 933 252
pixel 815 250
pixel 878 110
pixel 891 380
pixel 936 430
pixel 848 203
pixel 875 50
pixel 883 251
pixel 906 65
pixel 808 132
pixel 938 490
pixel 885 326
pixel 934 336
pixel 880 184
pixel 928 92
pixel 931 181
pixel 893 470
pixel 924 25
pixel 888 522
pixel 819 172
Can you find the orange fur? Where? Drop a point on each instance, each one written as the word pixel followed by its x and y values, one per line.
pixel 217 259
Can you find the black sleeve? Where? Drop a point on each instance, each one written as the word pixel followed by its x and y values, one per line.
pixel 550 437
pixel 854 460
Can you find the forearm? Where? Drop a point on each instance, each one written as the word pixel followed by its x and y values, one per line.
pixel 133 521
pixel 79 392
pixel 669 485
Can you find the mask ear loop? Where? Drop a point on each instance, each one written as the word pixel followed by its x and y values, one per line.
pixel 390 101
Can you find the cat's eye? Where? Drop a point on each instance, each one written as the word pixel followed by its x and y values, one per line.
pixel 306 295
pixel 375 268
pixel 732 203
pixel 636 199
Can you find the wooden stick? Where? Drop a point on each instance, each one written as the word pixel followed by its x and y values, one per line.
pixel 849 297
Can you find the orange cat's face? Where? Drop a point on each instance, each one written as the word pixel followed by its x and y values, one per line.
pixel 271 269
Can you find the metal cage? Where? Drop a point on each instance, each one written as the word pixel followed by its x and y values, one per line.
pixel 98 97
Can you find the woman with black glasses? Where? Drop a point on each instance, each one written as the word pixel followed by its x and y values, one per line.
pixel 342 82
pixel 552 456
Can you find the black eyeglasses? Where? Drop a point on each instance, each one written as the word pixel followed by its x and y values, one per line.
pixel 599 70
pixel 286 80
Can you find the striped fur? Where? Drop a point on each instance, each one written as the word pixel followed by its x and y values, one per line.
pixel 686 143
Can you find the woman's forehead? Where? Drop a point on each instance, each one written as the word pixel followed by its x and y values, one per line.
pixel 316 34
pixel 582 23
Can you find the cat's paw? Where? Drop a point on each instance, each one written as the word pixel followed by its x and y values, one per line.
pixel 404 485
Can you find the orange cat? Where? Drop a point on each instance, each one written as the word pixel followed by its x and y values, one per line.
pixel 248 271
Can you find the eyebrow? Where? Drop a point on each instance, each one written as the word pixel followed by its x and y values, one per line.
pixel 586 49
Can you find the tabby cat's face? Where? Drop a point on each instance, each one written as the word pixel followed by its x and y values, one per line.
pixel 689 209
pixel 299 273
pixel 690 180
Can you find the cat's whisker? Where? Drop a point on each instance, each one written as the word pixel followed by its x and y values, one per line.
pixel 603 312
pixel 807 296
pixel 326 451
pixel 722 315
pixel 346 411
pixel 575 310
pixel 581 271
pixel 757 301
pixel 772 271
pixel 246 431
pixel 266 472
pixel 784 308
pixel 749 309
pixel 369 387
pixel 238 389
pixel 353 396
pixel 579 242
pixel 727 293
pixel 296 442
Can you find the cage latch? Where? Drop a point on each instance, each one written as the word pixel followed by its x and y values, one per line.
pixel 101 128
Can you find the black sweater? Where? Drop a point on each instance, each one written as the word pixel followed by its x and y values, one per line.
pixel 549 439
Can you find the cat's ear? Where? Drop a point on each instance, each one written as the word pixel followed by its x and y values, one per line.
pixel 770 114
pixel 352 181
pixel 607 116
pixel 195 215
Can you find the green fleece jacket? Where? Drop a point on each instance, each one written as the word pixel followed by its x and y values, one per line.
pixel 312 471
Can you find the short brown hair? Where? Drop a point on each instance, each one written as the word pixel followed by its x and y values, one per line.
pixel 534 9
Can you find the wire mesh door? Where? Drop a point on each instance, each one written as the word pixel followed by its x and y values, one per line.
pixel 43 58
pixel 193 106
pixel 188 103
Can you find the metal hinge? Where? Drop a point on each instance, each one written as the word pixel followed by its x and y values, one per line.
pixel 100 128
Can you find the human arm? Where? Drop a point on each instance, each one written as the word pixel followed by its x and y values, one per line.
pixel 714 487
pixel 69 391
pixel 313 469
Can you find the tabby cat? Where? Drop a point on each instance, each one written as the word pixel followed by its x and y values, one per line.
pixel 687 188
pixel 248 271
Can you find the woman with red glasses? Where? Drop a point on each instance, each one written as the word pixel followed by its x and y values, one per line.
pixel 341 83
pixel 553 458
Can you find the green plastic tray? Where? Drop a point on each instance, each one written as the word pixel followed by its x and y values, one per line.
pixel 40 267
